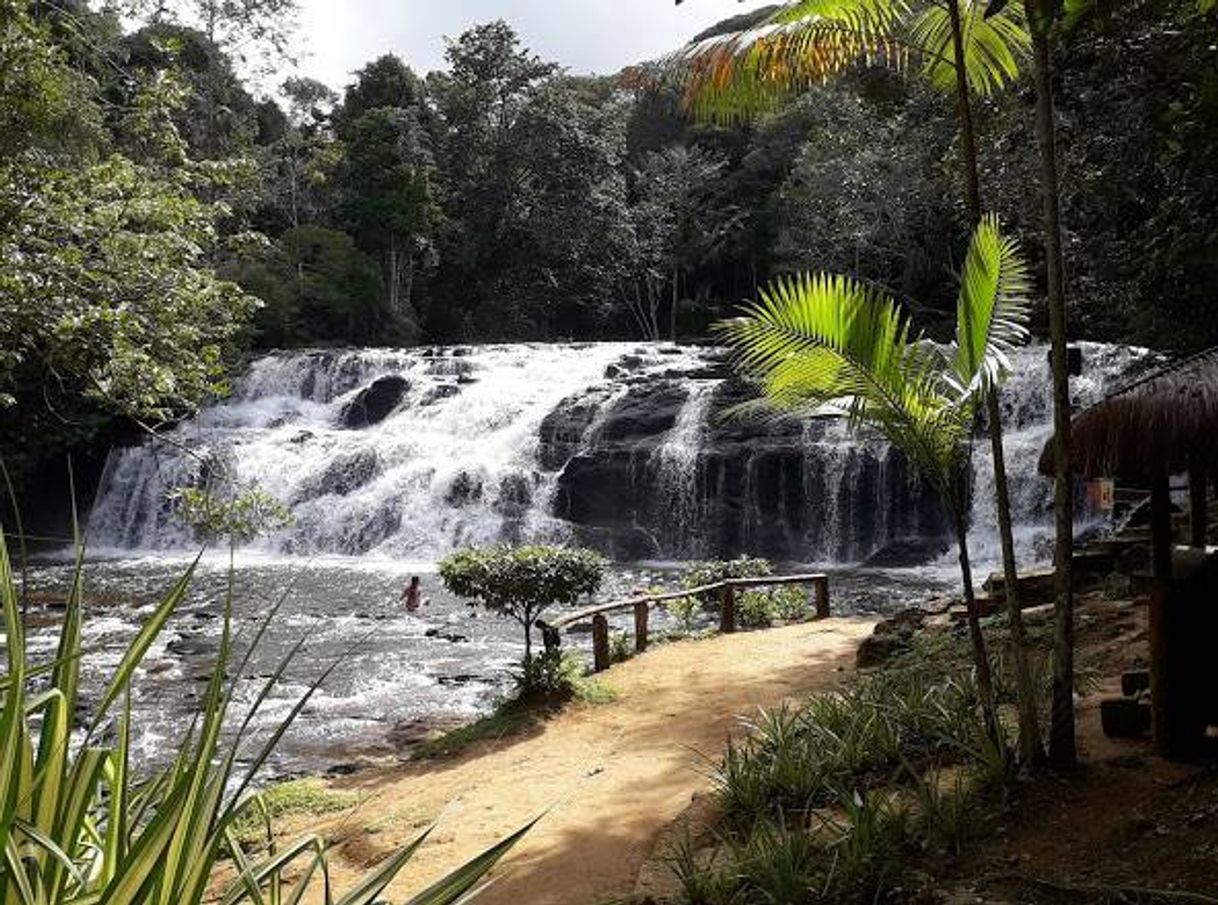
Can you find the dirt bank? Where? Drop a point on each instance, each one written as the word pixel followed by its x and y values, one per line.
pixel 615 775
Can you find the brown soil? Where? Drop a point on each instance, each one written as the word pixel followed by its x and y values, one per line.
pixel 613 776
pixel 623 780
pixel 1125 827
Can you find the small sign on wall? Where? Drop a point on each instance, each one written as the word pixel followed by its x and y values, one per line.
pixel 1101 494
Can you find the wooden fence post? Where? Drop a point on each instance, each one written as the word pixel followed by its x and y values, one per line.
pixel 821 586
pixel 550 637
pixel 1198 510
pixel 600 643
pixel 727 616
pixel 641 612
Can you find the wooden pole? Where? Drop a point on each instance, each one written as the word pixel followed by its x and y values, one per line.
pixel 600 643
pixel 727 615
pixel 1198 509
pixel 1160 631
pixel 550 637
pixel 641 612
pixel 821 587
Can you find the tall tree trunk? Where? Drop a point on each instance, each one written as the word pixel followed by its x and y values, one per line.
pixel 1063 751
pixel 1030 746
pixel 964 107
pixel 393 267
pixel 672 312
pixel 981 656
pixel 407 291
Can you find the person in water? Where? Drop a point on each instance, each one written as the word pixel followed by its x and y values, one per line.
pixel 413 595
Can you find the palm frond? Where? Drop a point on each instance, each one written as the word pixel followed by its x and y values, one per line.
pixel 802 44
pixel 992 312
pixel 993 47
pixel 821 340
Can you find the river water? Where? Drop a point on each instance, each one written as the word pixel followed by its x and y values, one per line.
pixel 397 672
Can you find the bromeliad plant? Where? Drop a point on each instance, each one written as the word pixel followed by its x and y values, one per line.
pixel 818 342
pixel 78 827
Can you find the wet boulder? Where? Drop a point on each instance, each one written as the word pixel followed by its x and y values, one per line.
pixel 465 488
pixel 907 552
pixel 562 431
pixel 374 403
pixel 515 496
pixel 645 414
pixel 342 475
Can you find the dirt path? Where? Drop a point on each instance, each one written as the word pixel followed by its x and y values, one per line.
pixel 616 774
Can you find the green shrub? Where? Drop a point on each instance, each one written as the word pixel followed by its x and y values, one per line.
pixel 521 582
pixel 621 647
pixel 716 570
pixel 685 610
pixel 755 609
pixel 795 758
pixel 854 855
pixel 552 677
pixel 790 603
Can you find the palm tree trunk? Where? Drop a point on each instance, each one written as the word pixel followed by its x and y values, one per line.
pixel 968 132
pixel 1063 751
pixel 1029 722
pixel 981 656
pixel 1031 748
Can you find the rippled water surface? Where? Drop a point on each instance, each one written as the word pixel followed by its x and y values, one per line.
pixel 449 661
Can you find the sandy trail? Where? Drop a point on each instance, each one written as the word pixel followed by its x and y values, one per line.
pixel 614 775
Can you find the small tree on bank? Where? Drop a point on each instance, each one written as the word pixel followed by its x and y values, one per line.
pixel 522 582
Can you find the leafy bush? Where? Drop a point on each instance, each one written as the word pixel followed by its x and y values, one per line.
pixel 521 582
pixel 751 610
pixel 716 570
pixel 852 856
pixel 755 609
pixel 790 603
pixel 685 610
pixel 247 514
pixel 621 648
pixel 80 827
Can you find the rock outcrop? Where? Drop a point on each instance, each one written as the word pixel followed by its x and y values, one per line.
pixel 374 403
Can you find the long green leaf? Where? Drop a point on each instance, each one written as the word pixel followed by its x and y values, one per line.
pixel 374 883
pixel 260 871
pixel 800 45
pixel 143 640
pixel 451 888
pixel 12 719
pixel 992 312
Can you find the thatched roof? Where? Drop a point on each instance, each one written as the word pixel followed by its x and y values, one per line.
pixel 1149 426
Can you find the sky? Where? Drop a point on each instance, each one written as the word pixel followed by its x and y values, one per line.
pixel 586 36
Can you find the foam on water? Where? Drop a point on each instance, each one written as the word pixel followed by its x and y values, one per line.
pixel 457 461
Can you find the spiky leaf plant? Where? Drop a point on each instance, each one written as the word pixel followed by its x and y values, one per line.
pixel 78 827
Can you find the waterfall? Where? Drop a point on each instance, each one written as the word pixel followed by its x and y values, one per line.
pixel 675 463
pixel 413 453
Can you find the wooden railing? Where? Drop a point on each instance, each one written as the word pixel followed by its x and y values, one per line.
pixel 551 632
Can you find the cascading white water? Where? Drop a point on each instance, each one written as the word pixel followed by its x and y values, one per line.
pixel 454 463
pixel 1027 407
pixel 456 456
pixel 676 467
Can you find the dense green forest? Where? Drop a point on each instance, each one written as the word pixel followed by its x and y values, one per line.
pixel 505 199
